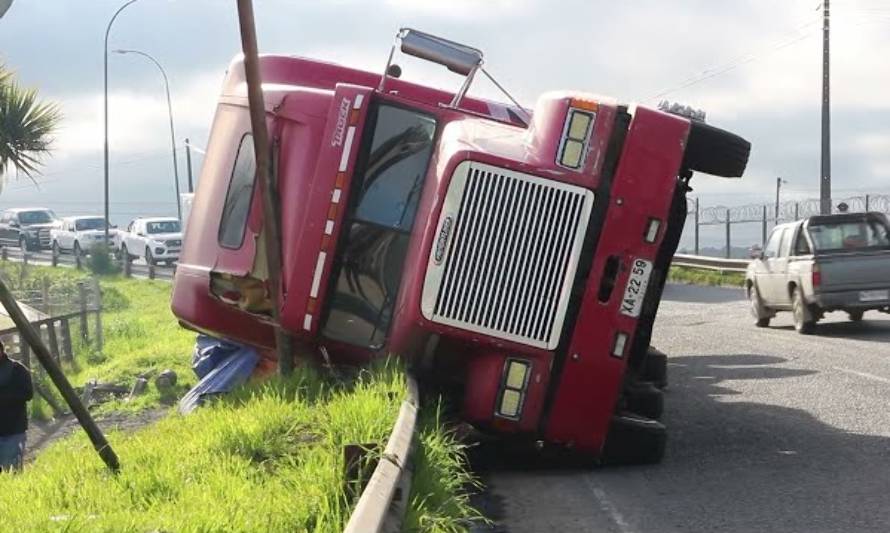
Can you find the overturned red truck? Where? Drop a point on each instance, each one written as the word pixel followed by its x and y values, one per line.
pixel 515 258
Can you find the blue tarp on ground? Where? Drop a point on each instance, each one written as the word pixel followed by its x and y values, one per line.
pixel 221 365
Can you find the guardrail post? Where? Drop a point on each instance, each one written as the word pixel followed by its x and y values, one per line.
pixel 728 237
pixel 44 295
pixel 128 267
pixel 697 211
pixel 77 261
pixel 84 326
pixel 4 253
pixel 55 258
pixel 151 270
pixel 763 228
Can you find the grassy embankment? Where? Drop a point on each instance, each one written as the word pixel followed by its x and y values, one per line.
pixel 698 276
pixel 267 458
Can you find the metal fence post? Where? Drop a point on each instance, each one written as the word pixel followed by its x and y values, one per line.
pixel 44 294
pixel 728 237
pixel 867 202
pixel 796 211
pixel 763 228
pixel 99 338
pixel 4 253
pixel 696 225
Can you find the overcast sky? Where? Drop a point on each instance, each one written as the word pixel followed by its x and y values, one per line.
pixel 753 65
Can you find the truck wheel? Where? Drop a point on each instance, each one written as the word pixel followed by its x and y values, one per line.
pixel 634 440
pixel 855 316
pixel 655 367
pixel 715 151
pixel 803 321
pixel 761 315
pixel 645 399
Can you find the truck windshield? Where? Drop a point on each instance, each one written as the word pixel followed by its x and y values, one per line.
pixel 164 226
pixel 386 187
pixel 85 224
pixel 35 217
pixel 849 235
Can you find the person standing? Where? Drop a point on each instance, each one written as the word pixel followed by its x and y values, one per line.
pixel 16 390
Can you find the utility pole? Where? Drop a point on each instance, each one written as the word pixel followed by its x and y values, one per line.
pixel 188 160
pixel 267 181
pixel 825 182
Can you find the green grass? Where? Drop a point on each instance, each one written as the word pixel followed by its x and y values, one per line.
pixel 696 276
pixel 267 457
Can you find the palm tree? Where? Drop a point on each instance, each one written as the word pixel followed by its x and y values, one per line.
pixel 26 127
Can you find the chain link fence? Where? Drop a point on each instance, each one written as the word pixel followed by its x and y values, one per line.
pixel 769 215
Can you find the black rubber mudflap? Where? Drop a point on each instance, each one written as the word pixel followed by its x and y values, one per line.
pixel 634 440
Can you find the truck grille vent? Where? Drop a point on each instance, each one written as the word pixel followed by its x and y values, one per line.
pixel 506 253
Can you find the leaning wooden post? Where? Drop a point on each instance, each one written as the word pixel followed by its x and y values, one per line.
pixel 24 351
pixel 84 325
pixel 100 443
pixel 271 215
pixel 44 294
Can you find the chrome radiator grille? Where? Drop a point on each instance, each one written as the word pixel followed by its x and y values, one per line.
pixel 505 254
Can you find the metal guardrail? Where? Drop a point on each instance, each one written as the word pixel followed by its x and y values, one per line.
pixel 45 258
pixel 710 263
pixel 383 502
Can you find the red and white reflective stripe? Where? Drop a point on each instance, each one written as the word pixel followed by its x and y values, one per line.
pixel 336 193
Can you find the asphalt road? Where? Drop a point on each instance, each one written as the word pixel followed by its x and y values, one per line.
pixel 769 430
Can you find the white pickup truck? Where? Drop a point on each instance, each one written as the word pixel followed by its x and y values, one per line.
pixel 822 264
pixel 157 240
pixel 78 234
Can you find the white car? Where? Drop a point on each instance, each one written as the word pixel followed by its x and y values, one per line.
pixel 78 234
pixel 156 240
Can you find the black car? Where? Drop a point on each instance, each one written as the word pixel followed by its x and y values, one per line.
pixel 27 228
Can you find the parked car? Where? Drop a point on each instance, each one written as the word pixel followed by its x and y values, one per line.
pixel 822 264
pixel 27 228
pixel 157 240
pixel 79 234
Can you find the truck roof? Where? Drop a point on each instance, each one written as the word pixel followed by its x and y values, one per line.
pixel 845 217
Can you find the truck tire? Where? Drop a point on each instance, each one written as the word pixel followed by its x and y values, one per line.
pixel 655 367
pixel 645 399
pixel 803 320
pixel 761 314
pixel 634 440
pixel 715 151
pixel 856 315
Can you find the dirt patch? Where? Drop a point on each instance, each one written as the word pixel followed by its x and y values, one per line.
pixel 42 434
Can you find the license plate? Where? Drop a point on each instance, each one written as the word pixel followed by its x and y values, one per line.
pixel 873 296
pixel 635 291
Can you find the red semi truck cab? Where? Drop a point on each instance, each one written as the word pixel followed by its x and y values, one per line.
pixel 514 257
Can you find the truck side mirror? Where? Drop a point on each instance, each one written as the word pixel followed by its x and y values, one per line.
pixel 457 58
pixel 757 253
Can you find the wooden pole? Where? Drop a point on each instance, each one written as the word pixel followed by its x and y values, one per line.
pixel 264 176
pixel 30 336
pixel 100 338
pixel 84 324
pixel 53 339
pixel 67 351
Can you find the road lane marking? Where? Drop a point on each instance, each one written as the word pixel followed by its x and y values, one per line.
pixel 607 506
pixel 863 374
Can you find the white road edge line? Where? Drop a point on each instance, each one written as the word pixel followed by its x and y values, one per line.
pixel 863 374
pixel 609 507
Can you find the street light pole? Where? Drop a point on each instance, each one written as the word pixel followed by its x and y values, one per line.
pixel 825 182
pixel 107 32
pixel 170 114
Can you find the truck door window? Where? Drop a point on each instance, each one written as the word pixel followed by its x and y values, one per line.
pixel 238 198
pixel 772 245
pixel 386 188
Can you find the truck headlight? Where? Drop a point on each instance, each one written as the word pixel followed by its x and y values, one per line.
pixel 576 132
pixel 159 250
pixel 513 388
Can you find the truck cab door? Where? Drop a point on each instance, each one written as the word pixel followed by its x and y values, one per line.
pixel 779 266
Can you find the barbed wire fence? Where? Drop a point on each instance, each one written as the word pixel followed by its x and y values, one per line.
pixel 769 215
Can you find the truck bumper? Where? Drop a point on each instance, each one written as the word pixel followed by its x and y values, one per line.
pixel 858 299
